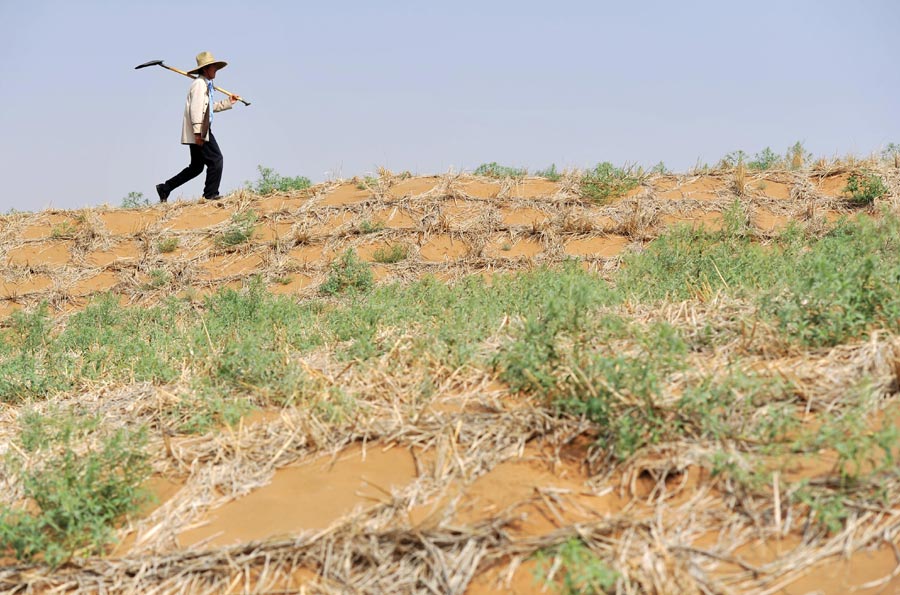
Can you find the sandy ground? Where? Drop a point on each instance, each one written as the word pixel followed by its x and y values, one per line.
pixel 449 226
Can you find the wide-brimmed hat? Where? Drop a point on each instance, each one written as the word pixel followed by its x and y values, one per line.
pixel 204 59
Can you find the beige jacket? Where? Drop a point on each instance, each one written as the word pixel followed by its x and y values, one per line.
pixel 196 111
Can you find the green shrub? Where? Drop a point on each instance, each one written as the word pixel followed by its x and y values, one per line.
pixel 64 230
pixel 367 182
pixel 158 279
pixel 606 182
pixel 765 160
pixel 549 173
pixel 864 189
pixel 135 200
pixel 818 303
pixel 366 226
pixel 582 571
pixel 395 253
pixel 240 231
pixel 28 368
pixel 494 170
pixel 270 181
pixel 79 495
pixel 348 273
pixel 167 245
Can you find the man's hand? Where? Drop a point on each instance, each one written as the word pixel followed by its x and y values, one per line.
pixel 198 139
pixel 234 99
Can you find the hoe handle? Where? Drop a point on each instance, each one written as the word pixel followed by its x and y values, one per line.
pixel 219 89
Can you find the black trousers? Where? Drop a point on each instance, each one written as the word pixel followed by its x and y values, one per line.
pixel 208 155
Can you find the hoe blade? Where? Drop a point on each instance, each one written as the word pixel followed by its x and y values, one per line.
pixel 150 63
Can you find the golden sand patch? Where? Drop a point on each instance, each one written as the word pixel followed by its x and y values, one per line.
pixel 198 217
pixel 45 228
pixel 523 216
pixel 502 246
pixel 833 186
pixel 295 282
pixel 768 221
pixel 7 309
pixel 538 188
pixel 100 282
pixel 413 187
pixel 443 248
pixel 272 232
pixel 127 222
pixel 25 286
pixel 124 252
pixel 604 246
pixel 333 223
pixel 346 194
pixel 462 211
pixel 308 496
pixel 278 204
pixel 707 188
pixel 776 190
pixel 227 265
pixel 479 189
pixel 52 253
pixel 495 581
pixel 309 254
pixel 711 220
pixel 190 252
pixel 394 218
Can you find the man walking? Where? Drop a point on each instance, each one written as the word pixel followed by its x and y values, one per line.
pixel 196 131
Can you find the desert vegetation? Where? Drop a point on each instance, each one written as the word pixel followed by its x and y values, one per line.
pixel 601 381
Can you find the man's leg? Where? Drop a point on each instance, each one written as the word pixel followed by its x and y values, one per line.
pixel 212 157
pixel 189 173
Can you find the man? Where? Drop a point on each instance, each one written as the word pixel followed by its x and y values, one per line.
pixel 196 131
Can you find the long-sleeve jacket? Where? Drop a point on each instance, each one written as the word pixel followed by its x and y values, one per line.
pixel 196 111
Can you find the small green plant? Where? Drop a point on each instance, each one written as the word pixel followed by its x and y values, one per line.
pixel 549 173
pixel 825 508
pixel 270 181
pixel 606 182
pixel 732 159
pixel 495 170
pixel 890 152
pixel 365 226
pixel 79 493
pixel 167 245
pixel 348 273
pixel 864 189
pixel 660 168
pixel 63 230
pixel 582 571
pixel 158 279
pixel 367 182
pixel 395 253
pixel 797 156
pixel 135 200
pixel 240 231
pixel 765 160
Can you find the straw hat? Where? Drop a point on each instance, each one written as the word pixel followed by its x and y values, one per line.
pixel 204 59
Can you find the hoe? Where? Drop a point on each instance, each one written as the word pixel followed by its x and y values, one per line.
pixel 160 63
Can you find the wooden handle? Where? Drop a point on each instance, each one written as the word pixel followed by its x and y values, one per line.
pixel 219 89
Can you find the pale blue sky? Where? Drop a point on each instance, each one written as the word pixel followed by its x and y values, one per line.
pixel 341 88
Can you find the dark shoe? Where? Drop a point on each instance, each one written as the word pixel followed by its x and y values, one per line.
pixel 162 192
pixel 216 197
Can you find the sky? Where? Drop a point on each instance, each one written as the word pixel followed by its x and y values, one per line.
pixel 341 88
